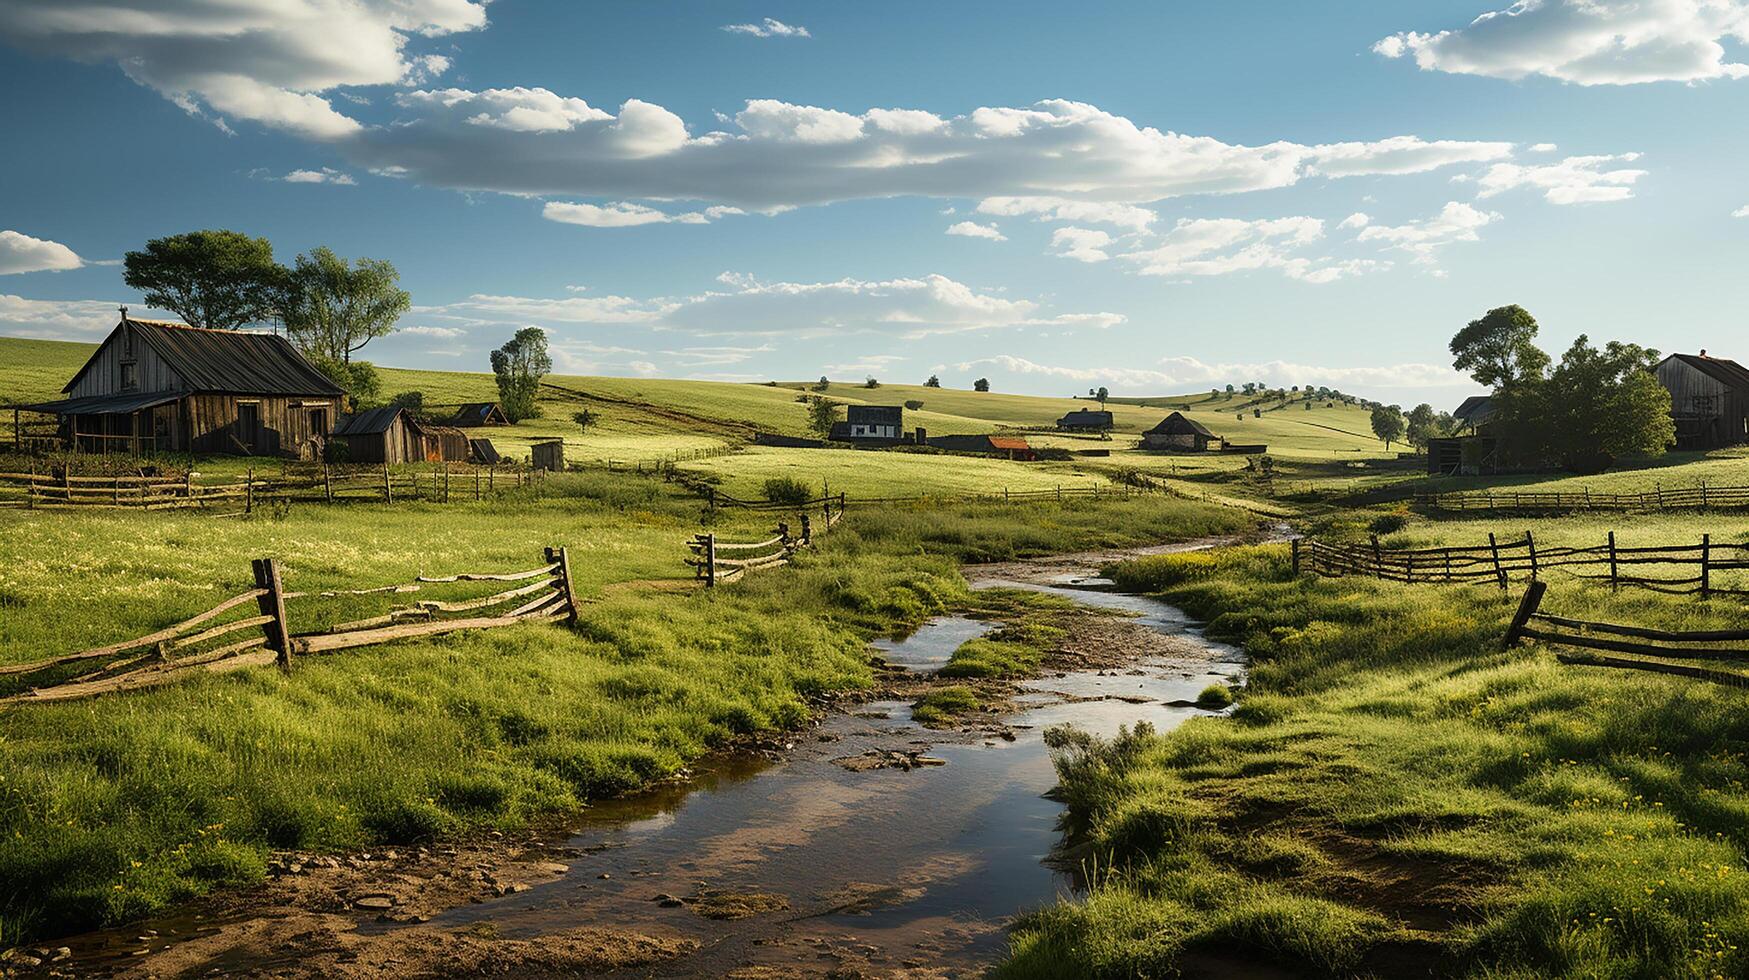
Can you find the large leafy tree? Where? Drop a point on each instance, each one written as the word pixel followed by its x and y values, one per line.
pixel 217 279
pixel 1387 423
pixel 822 415
pixel 519 365
pixel 1602 404
pixel 1499 350
pixel 332 308
pixel 1423 424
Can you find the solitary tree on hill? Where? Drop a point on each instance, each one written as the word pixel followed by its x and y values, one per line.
pixel 1102 394
pixel 216 279
pixel 1387 423
pixel 822 415
pixel 933 382
pixel 333 308
pixel 822 384
pixel 982 384
pixel 519 366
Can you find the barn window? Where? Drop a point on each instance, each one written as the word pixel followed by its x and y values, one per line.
pixel 318 421
pixel 130 376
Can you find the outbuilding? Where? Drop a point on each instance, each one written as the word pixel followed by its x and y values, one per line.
pixel 1709 399
pixel 1086 420
pixel 392 434
pixel 1178 433
pixel 476 414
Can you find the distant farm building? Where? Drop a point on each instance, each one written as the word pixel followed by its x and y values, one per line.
pixel 1474 451
pixel 476 414
pixel 1175 432
pixel 159 386
pixel 482 451
pixel 549 455
pixel 1013 447
pixel 394 435
pixel 1086 420
pixel 871 424
pixel 1709 399
pixel 1475 412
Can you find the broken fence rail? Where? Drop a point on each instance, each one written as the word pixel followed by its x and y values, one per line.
pixel 722 562
pixel 1603 644
pixel 209 642
pixel 1497 562
pixel 1699 497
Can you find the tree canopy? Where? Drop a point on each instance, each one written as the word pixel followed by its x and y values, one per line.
pixel 822 414
pixel 519 366
pixel 982 384
pixel 1388 423
pixel 1602 404
pixel 332 308
pixel 215 278
pixel 933 382
pixel 1499 350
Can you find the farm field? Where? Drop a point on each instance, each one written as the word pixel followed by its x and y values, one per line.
pixel 862 473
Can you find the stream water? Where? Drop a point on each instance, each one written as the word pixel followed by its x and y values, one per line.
pixel 882 869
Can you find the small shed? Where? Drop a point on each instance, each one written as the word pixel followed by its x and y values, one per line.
pixel 391 434
pixel 549 455
pixel 1709 399
pixel 1175 432
pixel 1013 447
pixel 1086 420
pixel 476 414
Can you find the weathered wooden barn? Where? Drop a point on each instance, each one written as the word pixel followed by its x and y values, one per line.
pixel 392 434
pixel 1086 420
pixel 158 386
pixel 1012 447
pixel 1475 413
pixel 1180 434
pixel 1709 399
pixel 476 414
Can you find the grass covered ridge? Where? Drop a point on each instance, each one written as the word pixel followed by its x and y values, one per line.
pixel 1393 792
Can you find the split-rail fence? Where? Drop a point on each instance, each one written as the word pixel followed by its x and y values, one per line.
pixel 254 628
pixel 1097 491
pixel 1627 647
pixel 1699 497
pixel 721 562
pixel 435 482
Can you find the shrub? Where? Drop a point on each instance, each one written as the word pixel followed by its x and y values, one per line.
pixel 412 401
pixel 788 490
pixel 1215 697
pixel 913 404
pixel 1388 523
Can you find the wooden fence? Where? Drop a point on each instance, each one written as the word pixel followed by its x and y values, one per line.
pixel 218 640
pixel 434 482
pixel 708 554
pixel 1700 497
pixel 1603 644
pixel 1682 569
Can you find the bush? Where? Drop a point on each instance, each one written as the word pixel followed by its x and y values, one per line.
pixel 913 404
pixel 412 401
pixel 1214 697
pixel 1388 523
pixel 788 490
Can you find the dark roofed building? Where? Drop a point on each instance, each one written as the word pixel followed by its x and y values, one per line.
pixel 476 414
pixel 1177 432
pixel 1475 411
pixel 873 422
pixel 1013 447
pixel 392 434
pixel 155 385
pixel 1097 420
pixel 1709 399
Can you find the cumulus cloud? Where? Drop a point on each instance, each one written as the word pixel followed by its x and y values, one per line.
pixel 57 319
pixel 1456 222
pixel 573 309
pixel 768 28
pixel 1187 372
pixel 971 229
pixel 1198 247
pixel 1742 212
pixel 780 155
pixel 1542 148
pixel 1575 180
pixel 1359 219
pixel 1587 42
pixel 1064 209
pixel 440 333
pixel 624 214
pixel 1081 244
pixel 21 253
pixel 326 175
pixel 274 62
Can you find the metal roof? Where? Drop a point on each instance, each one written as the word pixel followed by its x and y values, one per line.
pixel 1086 416
pixel 232 361
pixel 106 404
pixel 1008 442
pixel 479 413
pixel 876 414
pixel 1177 425
pixel 1475 408
pixel 1718 368
pixel 373 422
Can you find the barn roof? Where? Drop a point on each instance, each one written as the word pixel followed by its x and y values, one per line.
pixel 106 404
pixel 1086 416
pixel 877 414
pixel 1177 425
pixel 1718 368
pixel 231 361
pixel 373 422
pixel 1475 408
pixel 1008 443
pixel 478 413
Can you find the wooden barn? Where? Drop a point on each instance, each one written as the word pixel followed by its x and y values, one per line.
pixel 871 425
pixel 392 434
pixel 1709 399
pixel 158 386
pixel 476 414
pixel 1086 420
pixel 1013 447
pixel 1180 434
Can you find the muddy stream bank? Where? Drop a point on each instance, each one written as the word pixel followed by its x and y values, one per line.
pixel 866 845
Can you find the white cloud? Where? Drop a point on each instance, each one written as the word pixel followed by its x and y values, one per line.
pixel 326 175
pixel 441 333
pixel 971 229
pixel 1081 244
pixel 1183 373
pixel 1064 209
pixel 624 214
pixel 1359 219
pixel 867 364
pixel 1198 247
pixel 55 319
pixel 21 253
pixel 1058 159
pixel 1742 212
pixel 691 357
pixel 768 28
pixel 1587 42
pixel 1456 222
pixel 575 309
pixel 1575 180
pixel 268 61
pixel 1542 148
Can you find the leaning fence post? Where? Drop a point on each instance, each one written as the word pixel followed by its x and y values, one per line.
pixel 1530 543
pixel 1527 607
pixel 562 557
pixel 1706 554
pixel 1614 579
pixel 710 559
pixel 1499 573
pixel 272 603
pixel 327 483
pixel 783 534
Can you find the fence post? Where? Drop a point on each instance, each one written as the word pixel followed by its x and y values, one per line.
pixel 783 534
pixel 710 498
pixel 446 481
pixel 562 556
pixel 327 483
pixel 273 604
pixel 388 488
pixel 30 489
pixel 1706 554
pixel 1499 573
pixel 249 491
pixel 492 478
pixel 188 484
pixel 840 503
pixel 1448 564
pixel 1530 543
pixel 1295 549
pixel 1527 607
pixel 807 531
pixel 1614 579
pixel 1378 559
pixel 476 483
pixel 117 491
pixel 710 559
pixel 1703 505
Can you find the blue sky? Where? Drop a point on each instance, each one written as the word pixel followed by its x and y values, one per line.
pixel 1153 197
